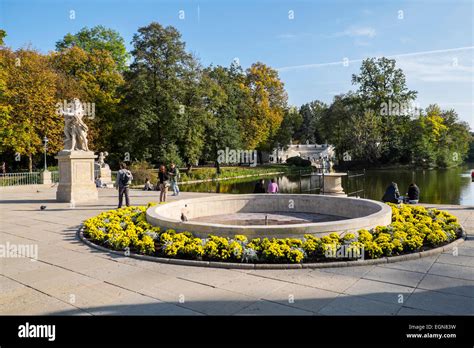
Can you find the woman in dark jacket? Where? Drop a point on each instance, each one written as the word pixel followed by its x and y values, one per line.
pixel 164 183
pixel 392 195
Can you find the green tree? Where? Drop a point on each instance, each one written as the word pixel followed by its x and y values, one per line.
pixel 98 38
pixel 29 100
pixel 94 78
pixel 269 102
pixel 310 127
pixel 3 34
pixel 380 81
pixel 292 121
pixel 157 106
pixel 225 101
pixel 380 85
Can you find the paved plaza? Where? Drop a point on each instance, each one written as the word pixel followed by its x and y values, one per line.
pixel 70 278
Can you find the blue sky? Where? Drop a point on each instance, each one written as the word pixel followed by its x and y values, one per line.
pixel 307 41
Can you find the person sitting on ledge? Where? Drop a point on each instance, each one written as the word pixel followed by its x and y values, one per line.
pixel 392 195
pixel 259 187
pixel 148 185
pixel 413 194
pixel 272 187
pixel 99 183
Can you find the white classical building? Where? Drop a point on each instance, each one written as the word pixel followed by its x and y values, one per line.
pixel 313 152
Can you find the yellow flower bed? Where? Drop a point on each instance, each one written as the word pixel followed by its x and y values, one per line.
pixel 413 229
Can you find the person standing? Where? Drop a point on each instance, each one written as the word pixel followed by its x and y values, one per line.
pixel 272 187
pixel 174 178
pixel 124 178
pixel 3 168
pixel 163 183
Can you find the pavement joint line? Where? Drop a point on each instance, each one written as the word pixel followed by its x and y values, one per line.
pixel 196 282
pixel 397 269
pixel 437 313
pixel 454 264
pixel 247 306
pixel 287 305
pixel 152 297
pixel 290 282
pixel 45 293
pixel 83 274
pixel 17 236
pixel 445 293
pixel 422 278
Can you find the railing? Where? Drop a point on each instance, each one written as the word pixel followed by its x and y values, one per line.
pixel 26 178
pixel 55 176
pixel 13 179
pixel 358 192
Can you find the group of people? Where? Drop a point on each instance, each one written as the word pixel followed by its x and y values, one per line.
pixel 271 188
pixel 392 194
pixel 166 178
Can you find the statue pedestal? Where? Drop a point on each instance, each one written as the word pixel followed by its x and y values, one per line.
pixel 76 177
pixel 106 176
pixel 333 184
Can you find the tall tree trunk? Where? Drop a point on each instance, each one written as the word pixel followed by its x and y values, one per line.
pixel 218 168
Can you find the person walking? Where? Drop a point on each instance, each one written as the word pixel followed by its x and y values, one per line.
pixel 174 178
pixel 272 187
pixel 124 178
pixel 163 183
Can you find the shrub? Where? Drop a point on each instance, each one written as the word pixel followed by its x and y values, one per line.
pixel 298 161
pixel 142 170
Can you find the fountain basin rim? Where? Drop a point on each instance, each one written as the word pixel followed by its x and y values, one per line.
pixel 380 215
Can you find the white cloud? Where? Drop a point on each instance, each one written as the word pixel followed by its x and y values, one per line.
pixel 450 53
pixel 286 36
pixel 438 68
pixel 357 32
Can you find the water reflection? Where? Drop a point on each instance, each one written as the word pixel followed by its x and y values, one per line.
pixel 439 186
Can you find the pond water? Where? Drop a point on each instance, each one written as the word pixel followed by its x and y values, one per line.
pixel 437 186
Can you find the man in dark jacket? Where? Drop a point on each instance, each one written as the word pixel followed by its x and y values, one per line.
pixel 392 195
pixel 124 178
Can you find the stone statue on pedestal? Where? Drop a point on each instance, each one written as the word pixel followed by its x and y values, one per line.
pixel 101 160
pixel 75 130
pixel 103 171
pixel 75 161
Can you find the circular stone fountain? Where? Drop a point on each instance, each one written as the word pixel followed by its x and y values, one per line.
pixel 269 215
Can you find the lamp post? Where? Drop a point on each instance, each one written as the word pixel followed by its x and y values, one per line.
pixel 45 142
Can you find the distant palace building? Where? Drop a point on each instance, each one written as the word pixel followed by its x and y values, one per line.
pixel 313 152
